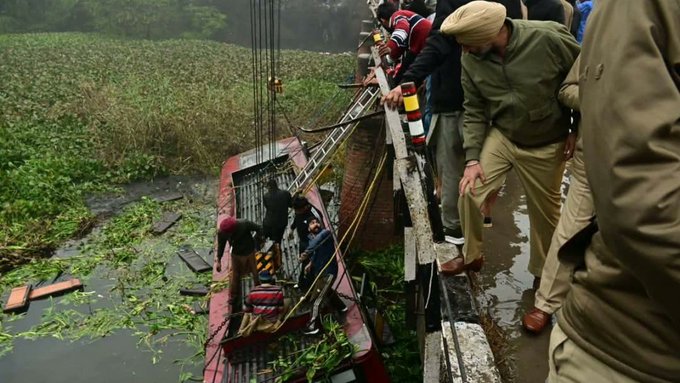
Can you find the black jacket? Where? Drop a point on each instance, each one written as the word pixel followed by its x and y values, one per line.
pixel 441 58
pixel 545 10
pixel 276 204
pixel 513 8
pixel 241 239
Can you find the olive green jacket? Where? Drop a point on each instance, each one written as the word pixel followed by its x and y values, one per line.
pixel 518 94
pixel 624 305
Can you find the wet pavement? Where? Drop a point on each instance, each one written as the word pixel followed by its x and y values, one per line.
pixel 506 285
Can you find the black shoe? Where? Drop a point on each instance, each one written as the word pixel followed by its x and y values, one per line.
pixel 488 222
pixel 311 328
pixel 454 236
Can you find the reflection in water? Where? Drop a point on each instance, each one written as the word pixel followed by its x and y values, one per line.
pixel 507 285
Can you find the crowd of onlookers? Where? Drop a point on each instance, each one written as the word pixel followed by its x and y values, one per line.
pixel 531 86
pixel 511 88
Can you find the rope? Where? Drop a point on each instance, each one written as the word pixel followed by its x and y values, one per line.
pixel 355 221
pixel 341 124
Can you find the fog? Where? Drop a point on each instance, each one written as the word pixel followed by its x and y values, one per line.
pixel 323 25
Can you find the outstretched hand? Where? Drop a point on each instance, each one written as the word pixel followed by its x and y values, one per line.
pixel 383 50
pixel 394 98
pixel 370 78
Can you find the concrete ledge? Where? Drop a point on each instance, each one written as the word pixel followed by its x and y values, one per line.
pixel 475 353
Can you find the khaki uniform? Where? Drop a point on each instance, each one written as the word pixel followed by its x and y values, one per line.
pixel 570 363
pixel 577 213
pixel 623 308
pixel 241 265
pixel 517 97
pixel 568 13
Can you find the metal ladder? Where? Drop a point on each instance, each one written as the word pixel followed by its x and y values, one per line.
pixel 324 152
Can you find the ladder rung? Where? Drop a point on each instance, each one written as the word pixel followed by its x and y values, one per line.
pixel 331 142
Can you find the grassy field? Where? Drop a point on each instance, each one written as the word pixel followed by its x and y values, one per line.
pixel 80 113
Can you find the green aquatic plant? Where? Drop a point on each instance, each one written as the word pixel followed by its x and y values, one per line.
pixel 83 112
pixel 317 360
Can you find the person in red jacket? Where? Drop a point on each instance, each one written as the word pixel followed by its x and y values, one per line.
pixel 408 34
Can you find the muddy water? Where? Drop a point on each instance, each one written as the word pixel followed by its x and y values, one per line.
pixel 113 359
pixel 117 357
pixel 507 285
pixel 507 294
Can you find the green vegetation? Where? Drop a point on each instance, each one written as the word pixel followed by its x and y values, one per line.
pixel 385 271
pixel 317 360
pixel 130 282
pixel 80 113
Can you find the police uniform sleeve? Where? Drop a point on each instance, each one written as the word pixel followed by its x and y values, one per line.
pixel 475 120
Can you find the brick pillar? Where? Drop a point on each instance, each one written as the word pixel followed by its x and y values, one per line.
pixel 363 153
pixel 364 149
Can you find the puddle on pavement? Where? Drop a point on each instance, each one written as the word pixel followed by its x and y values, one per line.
pixel 506 284
pixel 116 357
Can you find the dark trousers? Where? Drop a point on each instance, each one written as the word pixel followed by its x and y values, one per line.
pixel 323 290
pixel 304 282
pixel 274 233
pixel 241 265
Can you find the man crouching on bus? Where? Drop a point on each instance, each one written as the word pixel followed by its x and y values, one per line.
pixel 264 307
pixel 322 269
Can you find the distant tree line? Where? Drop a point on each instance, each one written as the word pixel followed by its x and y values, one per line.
pixel 330 25
pixel 150 19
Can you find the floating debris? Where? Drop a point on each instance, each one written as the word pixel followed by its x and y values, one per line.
pixel 56 289
pixel 168 197
pixel 198 291
pixel 18 299
pixel 167 220
pixel 195 262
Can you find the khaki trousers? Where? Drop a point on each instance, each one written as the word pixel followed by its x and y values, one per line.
pixel 240 266
pixel 569 363
pixel 539 170
pixel 576 215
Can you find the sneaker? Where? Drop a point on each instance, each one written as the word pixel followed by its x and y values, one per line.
pixel 311 329
pixel 454 236
pixel 488 222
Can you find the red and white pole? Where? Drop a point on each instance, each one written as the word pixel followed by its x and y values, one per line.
pixel 415 122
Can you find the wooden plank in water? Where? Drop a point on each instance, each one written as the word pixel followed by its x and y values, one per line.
pixel 167 220
pixel 55 289
pixel 199 291
pixel 169 197
pixel 18 299
pixel 195 262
